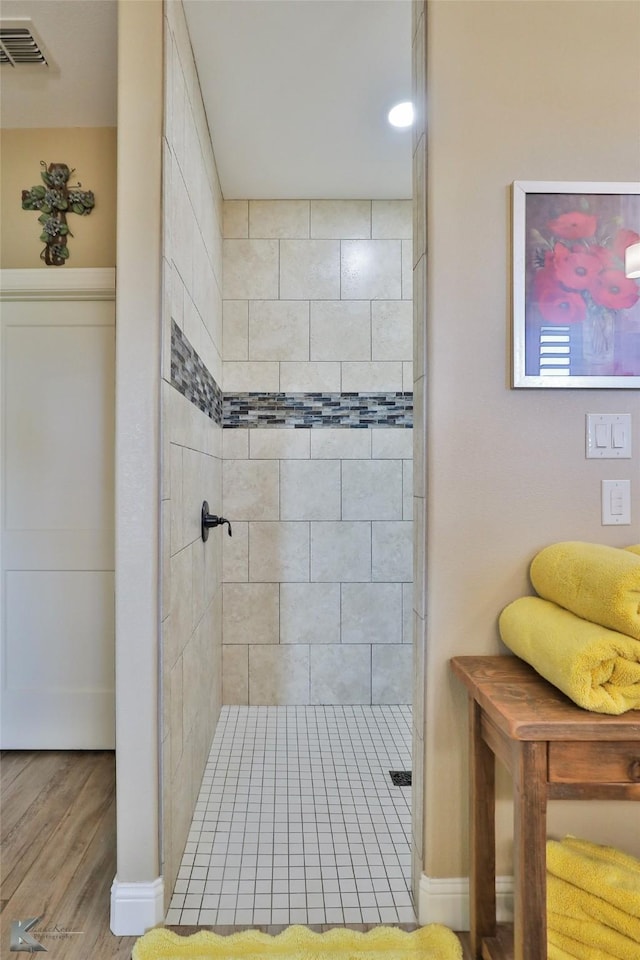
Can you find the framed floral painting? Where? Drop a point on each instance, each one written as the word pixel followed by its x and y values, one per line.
pixel 576 315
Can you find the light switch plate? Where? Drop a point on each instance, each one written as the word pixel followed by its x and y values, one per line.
pixel 616 502
pixel 608 436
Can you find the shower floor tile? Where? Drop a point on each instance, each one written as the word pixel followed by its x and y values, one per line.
pixel 298 820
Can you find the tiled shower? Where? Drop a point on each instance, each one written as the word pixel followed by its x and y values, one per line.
pixel 317 451
pixel 288 405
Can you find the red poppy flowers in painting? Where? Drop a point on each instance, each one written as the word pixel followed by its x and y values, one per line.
pixel 580 268
pixel 582 313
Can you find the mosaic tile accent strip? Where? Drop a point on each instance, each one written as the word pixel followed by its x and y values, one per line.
pixel 192 378
pixel 362 410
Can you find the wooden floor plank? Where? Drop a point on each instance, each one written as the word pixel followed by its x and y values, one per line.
pixel 31 826
pixel 44 884
pixel 12 762
pixel 29 780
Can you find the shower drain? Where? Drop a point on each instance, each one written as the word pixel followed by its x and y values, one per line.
pixel 400 778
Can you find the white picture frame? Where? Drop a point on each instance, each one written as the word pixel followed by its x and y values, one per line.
pixel 575 316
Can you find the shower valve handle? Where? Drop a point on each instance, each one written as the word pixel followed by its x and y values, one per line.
pixel 208 520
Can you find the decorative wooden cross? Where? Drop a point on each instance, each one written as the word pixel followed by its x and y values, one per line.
pixel 55 200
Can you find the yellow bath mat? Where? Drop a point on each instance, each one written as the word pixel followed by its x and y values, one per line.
pixel 433 942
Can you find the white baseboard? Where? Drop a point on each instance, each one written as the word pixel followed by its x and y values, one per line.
pixel 136 907
pixel 446 901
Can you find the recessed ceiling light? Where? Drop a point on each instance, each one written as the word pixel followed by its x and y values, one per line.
pixel 401 115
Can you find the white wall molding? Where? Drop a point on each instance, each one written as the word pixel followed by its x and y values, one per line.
pixel 446 900
pixel 74 283
pixel 136 907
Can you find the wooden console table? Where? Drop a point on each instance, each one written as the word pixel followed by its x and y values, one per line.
pixel 554 750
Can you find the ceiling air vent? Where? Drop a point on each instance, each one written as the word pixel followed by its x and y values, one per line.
pixel 20 46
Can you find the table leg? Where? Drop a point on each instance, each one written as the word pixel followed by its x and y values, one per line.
pixel 482 878
pixel 529 850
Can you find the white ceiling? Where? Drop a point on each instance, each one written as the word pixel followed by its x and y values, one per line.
pixel 296 91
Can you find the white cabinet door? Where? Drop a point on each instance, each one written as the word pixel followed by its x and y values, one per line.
pixel 57 590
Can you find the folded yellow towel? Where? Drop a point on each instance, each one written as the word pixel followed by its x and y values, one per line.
pixel 593 902
pixel 591 920
pixel 555 952
pixel 594 581
pixel 635 548
pixel 561 946
pixel 597 668
pixel 605 872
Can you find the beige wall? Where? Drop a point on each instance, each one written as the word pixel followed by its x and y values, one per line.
pixel 191 446
pixel 517 91
pixel 92 152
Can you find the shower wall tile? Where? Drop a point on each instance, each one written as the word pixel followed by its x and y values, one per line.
pixel 340 673
pixel 340 552
pixel 377 375
pixel 391 219
pixel 390 444
pixel 235 674
pixel 310 269
pixel 176 538
pixel 391 330
pixel 279 552
pixel 317 361
pixel 250 269
pixel 341 219
pixel 309 613
pixel 372 613
pixel 279 675
pixel 371 269
pixel 279 218
pixel 235 445
pixel 391 673
pixel 250 489
pixel 407 269
pixel 372 490
pixel 315 377
pixel 278 444
pixel 407 489
pixel 419 558
pixel 235 329
pixel 338 444
pixel 236 219
pixel 310 490
pixel 340 330
pixel 407 613
pixel 250 613
pixel 235 554
pixel 392 551
pixel 192 331
pixel 258 375
pixel 182 596
pixel 279 330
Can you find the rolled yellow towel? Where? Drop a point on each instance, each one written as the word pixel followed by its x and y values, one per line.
pixel 634 548
pixel 594 581
pixel 597 668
